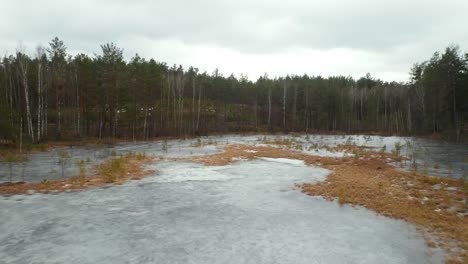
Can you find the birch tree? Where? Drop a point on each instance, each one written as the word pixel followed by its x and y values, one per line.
pixel 23 67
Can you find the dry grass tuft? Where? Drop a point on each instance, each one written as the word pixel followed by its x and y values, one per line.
pixel 401 195
pixel 114 171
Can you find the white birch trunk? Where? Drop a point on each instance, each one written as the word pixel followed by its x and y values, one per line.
pixel 24 72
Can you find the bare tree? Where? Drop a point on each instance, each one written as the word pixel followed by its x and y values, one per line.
pixel 23 65
pixel 40 98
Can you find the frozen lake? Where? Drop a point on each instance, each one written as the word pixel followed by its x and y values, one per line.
pixel 47 165
pixel 247 212
pixel 436 157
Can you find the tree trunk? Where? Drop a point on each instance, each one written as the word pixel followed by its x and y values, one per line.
pixel 57 105
pixel 78 107
pixel 455 117
pixel 410 127
pixel 39 99
pixel 46 106
pixel 294 108
pixel 284 107
pixel 21 135
pixel 193 104
pixel 255 109
pixel 306 110
pixel 270 125
pixel 198 114
pixel 26 97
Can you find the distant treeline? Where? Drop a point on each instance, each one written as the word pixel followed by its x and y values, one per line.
pixel 53 95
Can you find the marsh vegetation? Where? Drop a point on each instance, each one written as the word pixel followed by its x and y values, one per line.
pixel 388 175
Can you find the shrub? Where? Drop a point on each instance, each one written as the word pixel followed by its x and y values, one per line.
pixel 140 156
pixel 349 141
pixel 81 178
pixel 430 202
pixel 298 147
pixel 40 147
pixel 45 182
pixel 383 149
pixel 425 168
pixel 356 153
pixel 64 158
pixel 313 146
pixel 367 138
pixel 397 150
pixel 165 146
pixel 14 158
pixel 464 184
pixel 432 180
pixel 113 169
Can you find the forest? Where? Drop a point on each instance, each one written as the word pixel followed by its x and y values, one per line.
pixel 56 96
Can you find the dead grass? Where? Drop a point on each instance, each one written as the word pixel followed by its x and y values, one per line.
pixel 114 171
pixel 363 180
pixel 434 205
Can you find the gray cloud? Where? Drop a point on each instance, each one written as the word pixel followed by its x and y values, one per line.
pixel 397 32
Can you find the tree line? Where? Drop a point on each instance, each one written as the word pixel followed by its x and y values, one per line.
pixel 55 96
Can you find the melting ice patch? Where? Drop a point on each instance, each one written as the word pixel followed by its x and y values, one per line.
pixel 187 171
pixel 247 212
pixel 326 153
pixel 46 165
pixel 286 161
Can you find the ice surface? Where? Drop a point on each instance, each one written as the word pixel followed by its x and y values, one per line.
pixel 246 212
pixel 287 161
pixel 46 165
pixel 326 153
pixel 448 157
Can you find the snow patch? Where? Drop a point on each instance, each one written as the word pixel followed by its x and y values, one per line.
pixel 286 161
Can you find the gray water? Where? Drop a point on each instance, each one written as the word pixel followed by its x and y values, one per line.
pixel 437 158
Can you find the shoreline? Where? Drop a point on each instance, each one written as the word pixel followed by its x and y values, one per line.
pixel 116 170
pixel 438 206
pixel 93 141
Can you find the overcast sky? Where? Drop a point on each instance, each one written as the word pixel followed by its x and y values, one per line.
pixel 347 37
